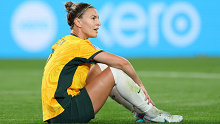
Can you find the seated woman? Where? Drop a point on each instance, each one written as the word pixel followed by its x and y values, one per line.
pixel 73 91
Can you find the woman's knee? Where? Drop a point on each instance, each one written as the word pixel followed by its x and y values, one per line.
pixel 104 80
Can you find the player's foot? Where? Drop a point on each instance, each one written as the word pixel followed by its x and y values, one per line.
pixel 163 117
pixel 138 117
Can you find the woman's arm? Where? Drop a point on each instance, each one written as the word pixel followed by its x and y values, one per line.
pixel 118 62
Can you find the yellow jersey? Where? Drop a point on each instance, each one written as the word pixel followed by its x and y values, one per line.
pixel 65 73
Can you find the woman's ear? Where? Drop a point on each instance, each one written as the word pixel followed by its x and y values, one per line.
pixel 77 22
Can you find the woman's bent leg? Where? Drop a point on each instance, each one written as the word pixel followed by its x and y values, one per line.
pixel 117 97
pixel 96 70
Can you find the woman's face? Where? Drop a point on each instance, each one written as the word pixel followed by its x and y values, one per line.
pixel 90 23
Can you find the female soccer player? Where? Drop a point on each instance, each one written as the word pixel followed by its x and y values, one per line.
pixel 73 91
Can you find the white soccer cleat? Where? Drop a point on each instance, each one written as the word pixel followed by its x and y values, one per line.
pixel 163 117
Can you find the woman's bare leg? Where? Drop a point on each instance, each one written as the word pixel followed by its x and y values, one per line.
pixel 96 70
pixel 99 87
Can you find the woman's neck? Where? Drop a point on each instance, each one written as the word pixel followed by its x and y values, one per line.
pixel 78 34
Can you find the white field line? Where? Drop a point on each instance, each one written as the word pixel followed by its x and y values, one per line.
pixel 178 74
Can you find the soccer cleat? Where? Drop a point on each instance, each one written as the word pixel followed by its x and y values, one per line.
pixel 138 117
pixel 163 117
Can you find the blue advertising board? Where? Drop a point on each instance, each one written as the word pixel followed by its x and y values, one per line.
pixel 130 28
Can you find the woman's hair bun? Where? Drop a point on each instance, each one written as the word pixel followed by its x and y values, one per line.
pixel 68 5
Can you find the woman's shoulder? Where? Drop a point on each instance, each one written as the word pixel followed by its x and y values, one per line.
pixel 74 40
pixel 71 38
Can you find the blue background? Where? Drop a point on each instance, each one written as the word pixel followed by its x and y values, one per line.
pixel 206 43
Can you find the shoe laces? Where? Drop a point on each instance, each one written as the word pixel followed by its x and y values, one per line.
pixel 165 113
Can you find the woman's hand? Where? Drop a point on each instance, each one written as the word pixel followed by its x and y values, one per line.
pixel 147 96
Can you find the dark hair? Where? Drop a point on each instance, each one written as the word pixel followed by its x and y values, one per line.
pixel 75 11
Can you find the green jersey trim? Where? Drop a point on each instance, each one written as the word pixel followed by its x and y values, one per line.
pixel 66 77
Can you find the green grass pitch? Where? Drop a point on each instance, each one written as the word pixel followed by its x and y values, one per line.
pixel 185 86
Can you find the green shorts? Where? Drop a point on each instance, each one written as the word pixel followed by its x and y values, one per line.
pixel 80 110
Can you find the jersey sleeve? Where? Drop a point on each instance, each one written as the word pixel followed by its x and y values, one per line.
pixel 89 51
